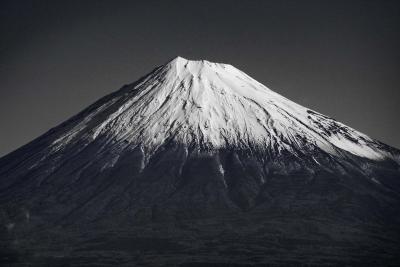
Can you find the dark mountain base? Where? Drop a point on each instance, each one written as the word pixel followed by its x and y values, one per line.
pixel 209 209
pixel 247 239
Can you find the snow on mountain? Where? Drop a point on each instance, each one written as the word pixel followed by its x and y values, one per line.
pixel 213 105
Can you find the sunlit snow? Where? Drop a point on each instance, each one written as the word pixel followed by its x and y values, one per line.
pixel 214 105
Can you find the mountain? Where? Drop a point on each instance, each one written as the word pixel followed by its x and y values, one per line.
pixel 198 164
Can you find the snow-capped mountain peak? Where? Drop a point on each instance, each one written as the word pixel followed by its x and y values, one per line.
pixel 205 149
pixel 213 105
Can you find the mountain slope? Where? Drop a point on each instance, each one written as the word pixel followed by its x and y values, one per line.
pixel 195 140
pixel 213 105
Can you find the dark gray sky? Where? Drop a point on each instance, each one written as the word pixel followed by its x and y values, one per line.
pixel 340 58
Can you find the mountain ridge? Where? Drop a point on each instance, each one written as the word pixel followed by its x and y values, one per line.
pixel 250 112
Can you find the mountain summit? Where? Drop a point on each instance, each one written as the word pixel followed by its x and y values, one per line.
pixel 203 142
pixel 211 105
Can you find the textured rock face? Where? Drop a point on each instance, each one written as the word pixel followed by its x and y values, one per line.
pixel 202 142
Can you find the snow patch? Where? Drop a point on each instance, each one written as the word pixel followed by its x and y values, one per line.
pixel 213 105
